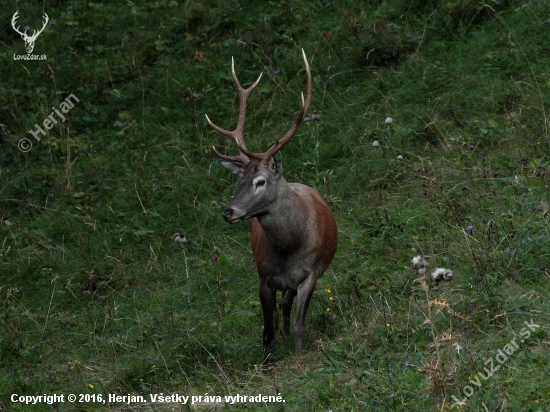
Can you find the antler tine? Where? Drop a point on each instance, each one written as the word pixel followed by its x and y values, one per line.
pixel 309 85
pixel 237 134
pixel 279 144
pixel 243 97
pixel 242 158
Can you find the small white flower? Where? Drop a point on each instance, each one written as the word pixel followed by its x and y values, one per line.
pixel 375 143
pixel 180 238
pixel 399 157
pixel 389 120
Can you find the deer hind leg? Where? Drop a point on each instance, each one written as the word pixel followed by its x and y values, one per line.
pixel 286 307
pixel 305 290
pixel 268 301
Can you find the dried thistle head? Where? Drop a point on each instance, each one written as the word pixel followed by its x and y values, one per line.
pixel 179 238
pixel 448 275
pixel 440 274
pixel 420 263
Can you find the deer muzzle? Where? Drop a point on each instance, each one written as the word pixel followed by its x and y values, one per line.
pixel 229 215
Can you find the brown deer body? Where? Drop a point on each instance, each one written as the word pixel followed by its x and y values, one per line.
pixel 293 231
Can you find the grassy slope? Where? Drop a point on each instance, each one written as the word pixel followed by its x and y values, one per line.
pixel 96 298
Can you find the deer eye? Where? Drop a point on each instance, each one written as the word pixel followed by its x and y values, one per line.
pixel 260 183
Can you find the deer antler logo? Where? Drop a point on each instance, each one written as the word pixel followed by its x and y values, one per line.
pixel 29 40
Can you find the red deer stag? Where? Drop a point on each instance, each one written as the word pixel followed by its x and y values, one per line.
pixel 294 234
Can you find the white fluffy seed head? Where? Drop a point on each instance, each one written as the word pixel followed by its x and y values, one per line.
pixel 420 263
pixel 180 238
pixel 389 120
pixel 440 274
pixel 448 275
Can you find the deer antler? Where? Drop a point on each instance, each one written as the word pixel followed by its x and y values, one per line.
pixel 13 21
pixel 35 34
pixel 279 144
pixel 24 34
pixel 237 134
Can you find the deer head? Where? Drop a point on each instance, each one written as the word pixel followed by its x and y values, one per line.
pixel 29 40
pixel 257 187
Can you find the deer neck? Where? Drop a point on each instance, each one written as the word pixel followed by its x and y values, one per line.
pixel 285 222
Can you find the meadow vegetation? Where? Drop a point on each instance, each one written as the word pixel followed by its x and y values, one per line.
pixel 96 297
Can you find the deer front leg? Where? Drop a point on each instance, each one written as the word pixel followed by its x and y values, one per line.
pixel 305 290
pixel 268 301
pixel 286 307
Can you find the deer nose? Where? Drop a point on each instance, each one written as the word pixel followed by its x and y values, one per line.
pixel 227 213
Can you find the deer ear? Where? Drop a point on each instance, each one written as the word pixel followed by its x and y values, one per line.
pixel 275 166
pixel 236 168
